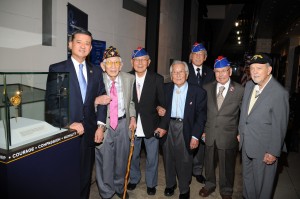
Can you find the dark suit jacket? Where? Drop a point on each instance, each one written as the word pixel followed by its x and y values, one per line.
pixel 79 111
pixel 208 75
pixel 151 97
pixel 222 125
pixel 264 129
pixel 194 111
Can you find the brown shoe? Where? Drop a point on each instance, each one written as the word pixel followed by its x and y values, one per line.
pixel 226 197
pixel 204 192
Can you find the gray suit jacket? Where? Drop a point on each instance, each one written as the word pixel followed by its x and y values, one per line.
pixel 127 81
pixel 264 129
pixel 222 125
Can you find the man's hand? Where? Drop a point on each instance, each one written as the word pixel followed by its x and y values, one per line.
pixel 203 137
pixel 269 158
pixel 132 123
pixel 161 111
pixel 238 137
pixel 102 100
pixel 78 127
pixel 99 135
pixel 161 132
pixel 194 143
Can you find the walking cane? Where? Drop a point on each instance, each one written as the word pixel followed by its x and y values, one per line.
pixel 128 163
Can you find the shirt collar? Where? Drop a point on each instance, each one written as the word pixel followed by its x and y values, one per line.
pixel 76 63
pixel 226 85
pixel 195 67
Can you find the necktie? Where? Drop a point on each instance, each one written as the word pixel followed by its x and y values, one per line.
pixel 257 93
pixel 113 107
pixel 82 82
pixel 138 90
pixel 220 97
pixel 253 99
pixel 198 75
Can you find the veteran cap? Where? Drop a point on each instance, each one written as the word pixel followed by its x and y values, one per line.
pixel 139 52
pixel 110 52
pixel 221 62
pixel 260 58
pixel 197 47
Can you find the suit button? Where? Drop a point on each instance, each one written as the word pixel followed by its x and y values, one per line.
pixel 246 122
pixel 216 126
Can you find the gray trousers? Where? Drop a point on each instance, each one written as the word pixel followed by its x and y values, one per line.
pixel 111 160
pixel 198 160
pixel 226 159
pixel 151 145
pixel 258 177
pixel 177 159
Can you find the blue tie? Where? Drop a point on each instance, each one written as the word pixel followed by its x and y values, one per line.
pixel 82 82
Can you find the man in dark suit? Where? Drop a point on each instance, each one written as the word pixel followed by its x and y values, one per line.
pixel 112 154
pixel 85 84
pixel 148 94
pixel 199 74
pixel 262 128
pixel 186 116
pixel 224 98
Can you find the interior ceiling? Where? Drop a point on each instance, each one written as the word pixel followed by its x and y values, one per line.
pixel 276 19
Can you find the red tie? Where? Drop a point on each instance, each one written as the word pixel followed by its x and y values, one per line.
pixel 113 106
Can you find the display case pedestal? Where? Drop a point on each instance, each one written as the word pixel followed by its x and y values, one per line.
pixel 48 169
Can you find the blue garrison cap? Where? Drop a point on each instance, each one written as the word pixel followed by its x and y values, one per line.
pixel 139 52
pixel 197 47
pixel 221 62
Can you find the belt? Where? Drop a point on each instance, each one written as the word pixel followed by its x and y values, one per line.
pixel 122 117
pixel 176 119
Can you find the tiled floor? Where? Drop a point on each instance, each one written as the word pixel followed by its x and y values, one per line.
pixel 287 186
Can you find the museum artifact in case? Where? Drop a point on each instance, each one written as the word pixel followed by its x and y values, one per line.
pixel 33 107
pixel 39 154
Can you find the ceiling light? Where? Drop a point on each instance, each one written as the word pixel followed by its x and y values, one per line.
pixel 236 24
pixel 239 42
pixel 237 32
pixel 239 38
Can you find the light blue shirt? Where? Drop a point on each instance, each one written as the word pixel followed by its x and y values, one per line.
pixel 178 101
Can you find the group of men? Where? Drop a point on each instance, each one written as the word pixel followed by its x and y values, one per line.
pixel 198 112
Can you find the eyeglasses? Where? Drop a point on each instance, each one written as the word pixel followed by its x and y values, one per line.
pixel 140 60
pixel 178 73
pixel 110 63
pixel 221 72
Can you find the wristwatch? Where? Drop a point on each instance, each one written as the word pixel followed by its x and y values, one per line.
pixel 102 126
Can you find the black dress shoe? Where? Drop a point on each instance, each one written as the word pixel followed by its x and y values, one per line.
pixel 170 191
pixel 151 191
pixel 120 195
pixel 185 195
pixel 200 178
pixel 131 186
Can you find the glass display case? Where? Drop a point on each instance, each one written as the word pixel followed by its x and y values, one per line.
pixel 33 112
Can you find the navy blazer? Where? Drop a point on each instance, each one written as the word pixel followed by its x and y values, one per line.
pixel 194 111
pixel 208 75
pixel 151 97
pixel 79 111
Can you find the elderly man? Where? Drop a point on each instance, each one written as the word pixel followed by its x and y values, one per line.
pixel 112 154
pixel 148 94
pixel 224 98
pixel 186 116
pixel 199 75
pixel 262 128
